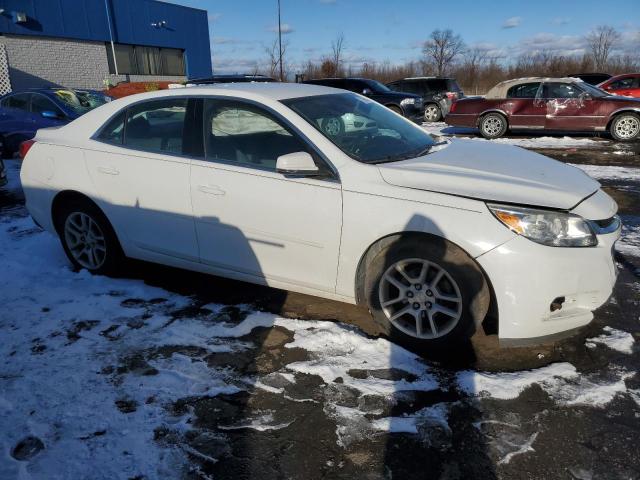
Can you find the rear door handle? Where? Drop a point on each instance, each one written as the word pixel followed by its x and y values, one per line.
pixel 211 189
pixel 109 170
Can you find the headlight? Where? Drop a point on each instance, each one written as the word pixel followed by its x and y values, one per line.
pixel 555 229
pixel 408 101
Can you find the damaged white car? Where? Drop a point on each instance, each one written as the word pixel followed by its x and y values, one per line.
pixel 434 237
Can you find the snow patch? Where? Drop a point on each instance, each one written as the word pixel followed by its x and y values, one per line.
pixel 442 129
pixel 609 172
pixel 615 339
pixel 560 381
pixel 509 385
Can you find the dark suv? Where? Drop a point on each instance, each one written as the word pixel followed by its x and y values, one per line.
pixel 406 104
pixel 438 94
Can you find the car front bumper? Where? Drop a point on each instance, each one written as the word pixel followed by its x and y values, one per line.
pixel 528 277
pixel 413 112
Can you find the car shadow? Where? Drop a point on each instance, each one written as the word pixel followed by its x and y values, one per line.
pixel 437 423
pixel 222 426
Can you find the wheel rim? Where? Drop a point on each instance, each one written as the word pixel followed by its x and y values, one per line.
pixel 332 127
pixel 85 240
pixel 492 126
pixel 420 298
pixel 431 113
pixel 627 127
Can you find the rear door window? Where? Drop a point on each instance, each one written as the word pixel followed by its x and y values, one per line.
pixel 156 126
pixel 453 85
pixel 561 90
pixel 524 90
pixel 438 85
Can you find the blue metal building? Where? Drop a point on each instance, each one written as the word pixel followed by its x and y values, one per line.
pixel 83 43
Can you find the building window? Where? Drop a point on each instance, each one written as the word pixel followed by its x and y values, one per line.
pixel 139 60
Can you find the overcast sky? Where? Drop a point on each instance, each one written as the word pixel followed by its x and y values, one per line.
pixel 380 30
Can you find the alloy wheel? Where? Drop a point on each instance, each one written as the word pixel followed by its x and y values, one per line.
pixel 332 127
pixel 431 113
pixel 492 126
pixel 85 240
pixel 420 298
pixel 627 127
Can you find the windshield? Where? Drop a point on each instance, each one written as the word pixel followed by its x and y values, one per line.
pixel 361 128
pixel 593 91
pixel 81 101
pixel 376 86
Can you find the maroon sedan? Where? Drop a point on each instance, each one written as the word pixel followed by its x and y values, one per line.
pixel 548 104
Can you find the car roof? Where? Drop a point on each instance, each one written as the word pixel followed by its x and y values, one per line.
pixel 500 90
pixel 261 90
pixel 623 75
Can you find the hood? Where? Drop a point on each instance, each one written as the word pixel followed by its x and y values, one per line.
pixel 492 172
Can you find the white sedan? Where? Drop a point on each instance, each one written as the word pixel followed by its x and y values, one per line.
pixel 242 181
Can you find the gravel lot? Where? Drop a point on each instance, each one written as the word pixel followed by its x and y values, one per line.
pixel 169 374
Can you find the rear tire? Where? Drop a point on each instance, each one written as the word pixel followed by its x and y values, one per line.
pixel 442 305
pixel 432 113
pixel 88 238
pixel 625 127
pixel 493 125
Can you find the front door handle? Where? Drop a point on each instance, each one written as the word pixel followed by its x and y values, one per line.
pixel 109 170
pixel 211 189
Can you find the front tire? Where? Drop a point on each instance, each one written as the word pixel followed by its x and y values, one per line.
pixel 88 238
pixel 425 292
pixel 432 113
pixel 493 125
pixel 395 109
pixel 625 127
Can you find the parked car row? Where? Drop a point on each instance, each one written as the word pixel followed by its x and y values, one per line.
pixel 557 104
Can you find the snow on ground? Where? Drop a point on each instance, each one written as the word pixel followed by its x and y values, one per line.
pixel 561 381
pixel 629 243
pixel 610 172
pixel 61 330
pixel 614 339
pixel 441 128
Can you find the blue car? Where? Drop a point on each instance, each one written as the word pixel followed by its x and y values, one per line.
pixel 23 113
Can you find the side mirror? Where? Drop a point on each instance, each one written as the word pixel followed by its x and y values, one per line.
pixel 297 164
pixel 367 92
pixel 586 96
pixel 50 114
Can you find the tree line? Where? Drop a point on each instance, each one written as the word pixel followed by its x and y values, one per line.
pixel 477 69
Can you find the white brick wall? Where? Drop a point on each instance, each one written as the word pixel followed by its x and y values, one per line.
pixel 42 61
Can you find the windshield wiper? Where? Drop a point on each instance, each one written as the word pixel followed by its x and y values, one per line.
pixel 407 156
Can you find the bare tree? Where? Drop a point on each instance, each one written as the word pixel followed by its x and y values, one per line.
pixel 442 48
pixel 273 57
pixel 337 48
pixel 602 40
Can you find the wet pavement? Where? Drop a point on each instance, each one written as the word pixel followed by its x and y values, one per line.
pixel 171 374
